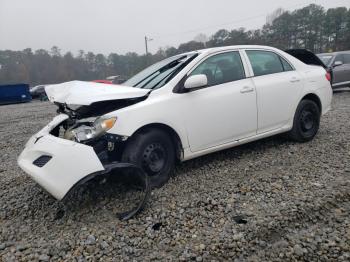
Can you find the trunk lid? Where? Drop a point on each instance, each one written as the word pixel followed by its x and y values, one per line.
pixel 306 57
pixel 87 93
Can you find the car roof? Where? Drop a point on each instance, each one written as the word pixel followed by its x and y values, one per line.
pixel 335 53
pixel 342 52
pixel 223 48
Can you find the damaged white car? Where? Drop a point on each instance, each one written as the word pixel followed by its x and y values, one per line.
pixel 183 107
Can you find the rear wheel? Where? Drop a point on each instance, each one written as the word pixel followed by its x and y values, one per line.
pixel 306 121
pixel 154 152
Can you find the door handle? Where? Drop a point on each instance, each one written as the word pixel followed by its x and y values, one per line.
pixel 247 89
pixel 294 80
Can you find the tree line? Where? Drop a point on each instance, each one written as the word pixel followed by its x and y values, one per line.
pixel 312 27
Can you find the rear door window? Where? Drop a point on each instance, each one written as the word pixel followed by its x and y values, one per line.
pixel 266 62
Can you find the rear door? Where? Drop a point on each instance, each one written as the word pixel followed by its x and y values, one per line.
pixel 278 86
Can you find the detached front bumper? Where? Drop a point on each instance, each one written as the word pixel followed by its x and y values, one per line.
pixel 57 164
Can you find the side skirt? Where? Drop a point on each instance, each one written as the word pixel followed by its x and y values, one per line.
pixel 190 155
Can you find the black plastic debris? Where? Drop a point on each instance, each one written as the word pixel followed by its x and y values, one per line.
pixel 157 226
pixel 59 215
pixel 133 175
pixel 240 220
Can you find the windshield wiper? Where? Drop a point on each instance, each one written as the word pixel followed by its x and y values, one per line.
pixel 160 70
pixel 170 76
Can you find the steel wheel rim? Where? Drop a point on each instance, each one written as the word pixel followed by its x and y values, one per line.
pixel 307 121
pixel 154 158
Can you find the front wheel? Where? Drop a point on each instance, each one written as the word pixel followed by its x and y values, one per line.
pixel 154 152
pixel 306 121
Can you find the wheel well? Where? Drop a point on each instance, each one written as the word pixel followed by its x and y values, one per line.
pixel 314 98
pixel 170 131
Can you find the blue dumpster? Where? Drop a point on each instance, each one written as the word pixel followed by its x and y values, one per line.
pixel 17 93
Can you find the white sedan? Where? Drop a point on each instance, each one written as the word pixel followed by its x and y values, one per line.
pixel 183 107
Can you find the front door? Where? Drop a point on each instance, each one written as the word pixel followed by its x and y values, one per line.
pixel 225 110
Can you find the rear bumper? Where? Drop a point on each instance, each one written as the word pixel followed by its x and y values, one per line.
pixel 70 161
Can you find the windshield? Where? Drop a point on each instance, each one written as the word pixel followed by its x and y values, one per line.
pixel 159 74
pixel 326 59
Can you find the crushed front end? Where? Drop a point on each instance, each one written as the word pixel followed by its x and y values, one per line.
pixel 71 150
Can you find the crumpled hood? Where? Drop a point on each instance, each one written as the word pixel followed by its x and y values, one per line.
pixel 86 93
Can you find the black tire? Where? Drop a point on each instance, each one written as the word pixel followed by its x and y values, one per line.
pixel 306 121
pixel 154 152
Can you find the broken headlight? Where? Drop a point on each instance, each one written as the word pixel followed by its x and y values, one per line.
pixel 86 132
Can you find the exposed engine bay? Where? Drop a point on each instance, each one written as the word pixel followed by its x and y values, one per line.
pixel 97 108
pixel 86 104
pixel 85 125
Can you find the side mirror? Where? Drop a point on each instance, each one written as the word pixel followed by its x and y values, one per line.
pixel 196 81
pixel 337 63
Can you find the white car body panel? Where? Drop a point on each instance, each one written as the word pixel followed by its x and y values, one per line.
pixel 190 155
pixel 168 108
pixel 319 86
pixel 276 96
pixel 205 120
pixel 219 106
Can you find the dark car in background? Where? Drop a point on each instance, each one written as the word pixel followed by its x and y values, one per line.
pixel 116 80
pixel 38 92
pixel 339 64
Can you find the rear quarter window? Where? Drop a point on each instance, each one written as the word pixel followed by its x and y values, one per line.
pixel 286 65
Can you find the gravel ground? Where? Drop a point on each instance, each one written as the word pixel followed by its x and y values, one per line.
pixel 270 200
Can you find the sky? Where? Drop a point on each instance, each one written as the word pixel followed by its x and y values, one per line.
pixel 105 26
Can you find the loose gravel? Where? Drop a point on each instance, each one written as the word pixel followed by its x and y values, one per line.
pixel 271 200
